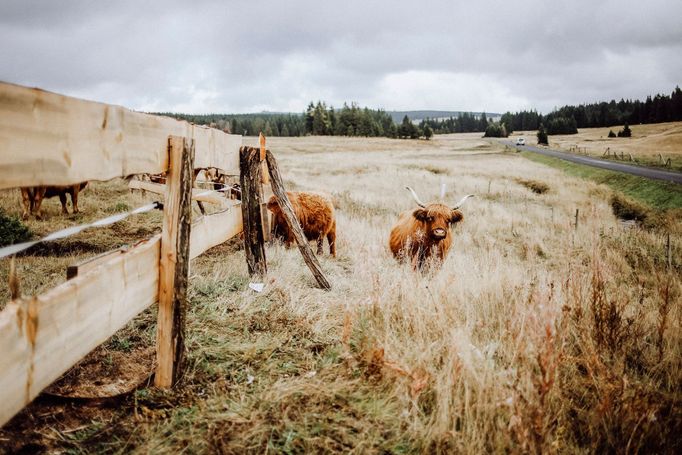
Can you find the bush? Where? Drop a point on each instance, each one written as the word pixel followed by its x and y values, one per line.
pixel 612 134
pixel 496 130
pixel 12 230
pixel 625 132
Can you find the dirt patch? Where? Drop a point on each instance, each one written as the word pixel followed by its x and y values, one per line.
pixel 105 373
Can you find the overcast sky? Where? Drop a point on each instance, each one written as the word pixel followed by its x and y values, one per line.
pixel 205 56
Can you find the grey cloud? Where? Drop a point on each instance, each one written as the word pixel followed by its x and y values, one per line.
pixel 237 56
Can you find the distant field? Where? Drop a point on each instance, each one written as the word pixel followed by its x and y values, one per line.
pixel 645 145
pixel 541 333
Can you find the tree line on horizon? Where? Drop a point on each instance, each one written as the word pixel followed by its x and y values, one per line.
pixel 320 119
pixel 567 119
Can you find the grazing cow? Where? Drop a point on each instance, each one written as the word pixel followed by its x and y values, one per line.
pixel 424 233
pixel 32 197
pixel 315 214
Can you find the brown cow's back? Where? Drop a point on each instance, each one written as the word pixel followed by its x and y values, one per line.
pixel 315 214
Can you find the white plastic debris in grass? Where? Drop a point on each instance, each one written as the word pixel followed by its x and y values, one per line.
pixel 258 287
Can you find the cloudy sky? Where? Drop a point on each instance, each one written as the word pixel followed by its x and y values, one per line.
pixel 205 56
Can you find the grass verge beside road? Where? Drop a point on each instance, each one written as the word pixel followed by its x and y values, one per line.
pixel 656 194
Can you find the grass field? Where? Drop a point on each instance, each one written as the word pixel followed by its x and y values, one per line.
pixel 645 145
pixel 534 336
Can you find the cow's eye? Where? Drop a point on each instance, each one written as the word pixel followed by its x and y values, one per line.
pixel 429 219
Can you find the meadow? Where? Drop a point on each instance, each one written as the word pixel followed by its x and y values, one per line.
pixel 542 332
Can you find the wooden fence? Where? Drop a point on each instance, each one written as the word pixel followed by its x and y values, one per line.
pixel 50 139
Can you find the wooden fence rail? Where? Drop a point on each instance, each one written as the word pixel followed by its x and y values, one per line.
pixel 50 139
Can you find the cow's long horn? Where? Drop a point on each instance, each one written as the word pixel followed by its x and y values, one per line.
pixel 461 202
pixel 416 198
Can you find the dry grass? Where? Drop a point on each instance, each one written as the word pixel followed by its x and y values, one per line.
pixel 532 337
pixel 645 145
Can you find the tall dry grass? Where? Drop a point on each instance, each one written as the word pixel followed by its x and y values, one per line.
pixel 533 336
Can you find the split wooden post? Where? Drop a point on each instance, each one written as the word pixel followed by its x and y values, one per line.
pixel 265 180
pixel 252 197
pixel 288 211
pixel 576 219
pixel 174 264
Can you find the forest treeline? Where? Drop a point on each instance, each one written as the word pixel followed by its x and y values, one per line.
pixel 320 119
pixel 350 120
pixel 567 119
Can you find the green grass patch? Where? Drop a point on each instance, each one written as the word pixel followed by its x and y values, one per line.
pixel 654 193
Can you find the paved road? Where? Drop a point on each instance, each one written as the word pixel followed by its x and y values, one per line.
pixel 646 172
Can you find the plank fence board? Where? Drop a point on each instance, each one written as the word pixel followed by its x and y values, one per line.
pixel 198 194
pixel 212 230
pixel 51 139
pixel 43 336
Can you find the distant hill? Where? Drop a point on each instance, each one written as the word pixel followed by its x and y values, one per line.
pixel 417 116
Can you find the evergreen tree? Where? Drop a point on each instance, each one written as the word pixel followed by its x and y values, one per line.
pixel 625 132
pixel 542 135
pixel 428 132
pixel 483 122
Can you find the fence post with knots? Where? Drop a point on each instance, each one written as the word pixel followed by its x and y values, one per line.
pixel 174 265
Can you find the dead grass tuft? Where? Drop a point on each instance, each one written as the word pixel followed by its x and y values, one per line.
pixel 535 186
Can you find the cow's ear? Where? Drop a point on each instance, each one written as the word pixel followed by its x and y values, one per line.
pixel 456 217
pixel 420 214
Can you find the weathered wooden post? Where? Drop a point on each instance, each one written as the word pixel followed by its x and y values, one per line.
pixel 576 219
pixel 668 254
pixel 174 264
pixel 265 181
pixel 252 198
pixel 288 211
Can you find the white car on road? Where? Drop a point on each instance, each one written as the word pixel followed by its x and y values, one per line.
pixel 521 141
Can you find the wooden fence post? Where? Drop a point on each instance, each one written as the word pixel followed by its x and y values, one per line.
pixel 174 265
pixel 288 211
pixel 265 182
pixel 252 197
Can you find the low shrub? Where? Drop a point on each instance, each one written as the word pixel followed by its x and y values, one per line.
pixel 12 230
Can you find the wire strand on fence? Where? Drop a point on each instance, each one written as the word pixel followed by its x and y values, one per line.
pixel 73 230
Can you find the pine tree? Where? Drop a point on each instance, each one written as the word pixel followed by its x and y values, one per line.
pixel 542 135
pixel 483 122
pixel 428 132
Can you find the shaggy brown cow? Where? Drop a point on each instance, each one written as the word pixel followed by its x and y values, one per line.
pixel 424 233
pixel 32 197
pixel 315 214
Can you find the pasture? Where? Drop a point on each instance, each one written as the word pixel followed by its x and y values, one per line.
pixel 541 332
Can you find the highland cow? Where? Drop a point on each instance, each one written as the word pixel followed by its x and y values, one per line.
pixel 32 197
pixel 315 214
pixel 424 233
